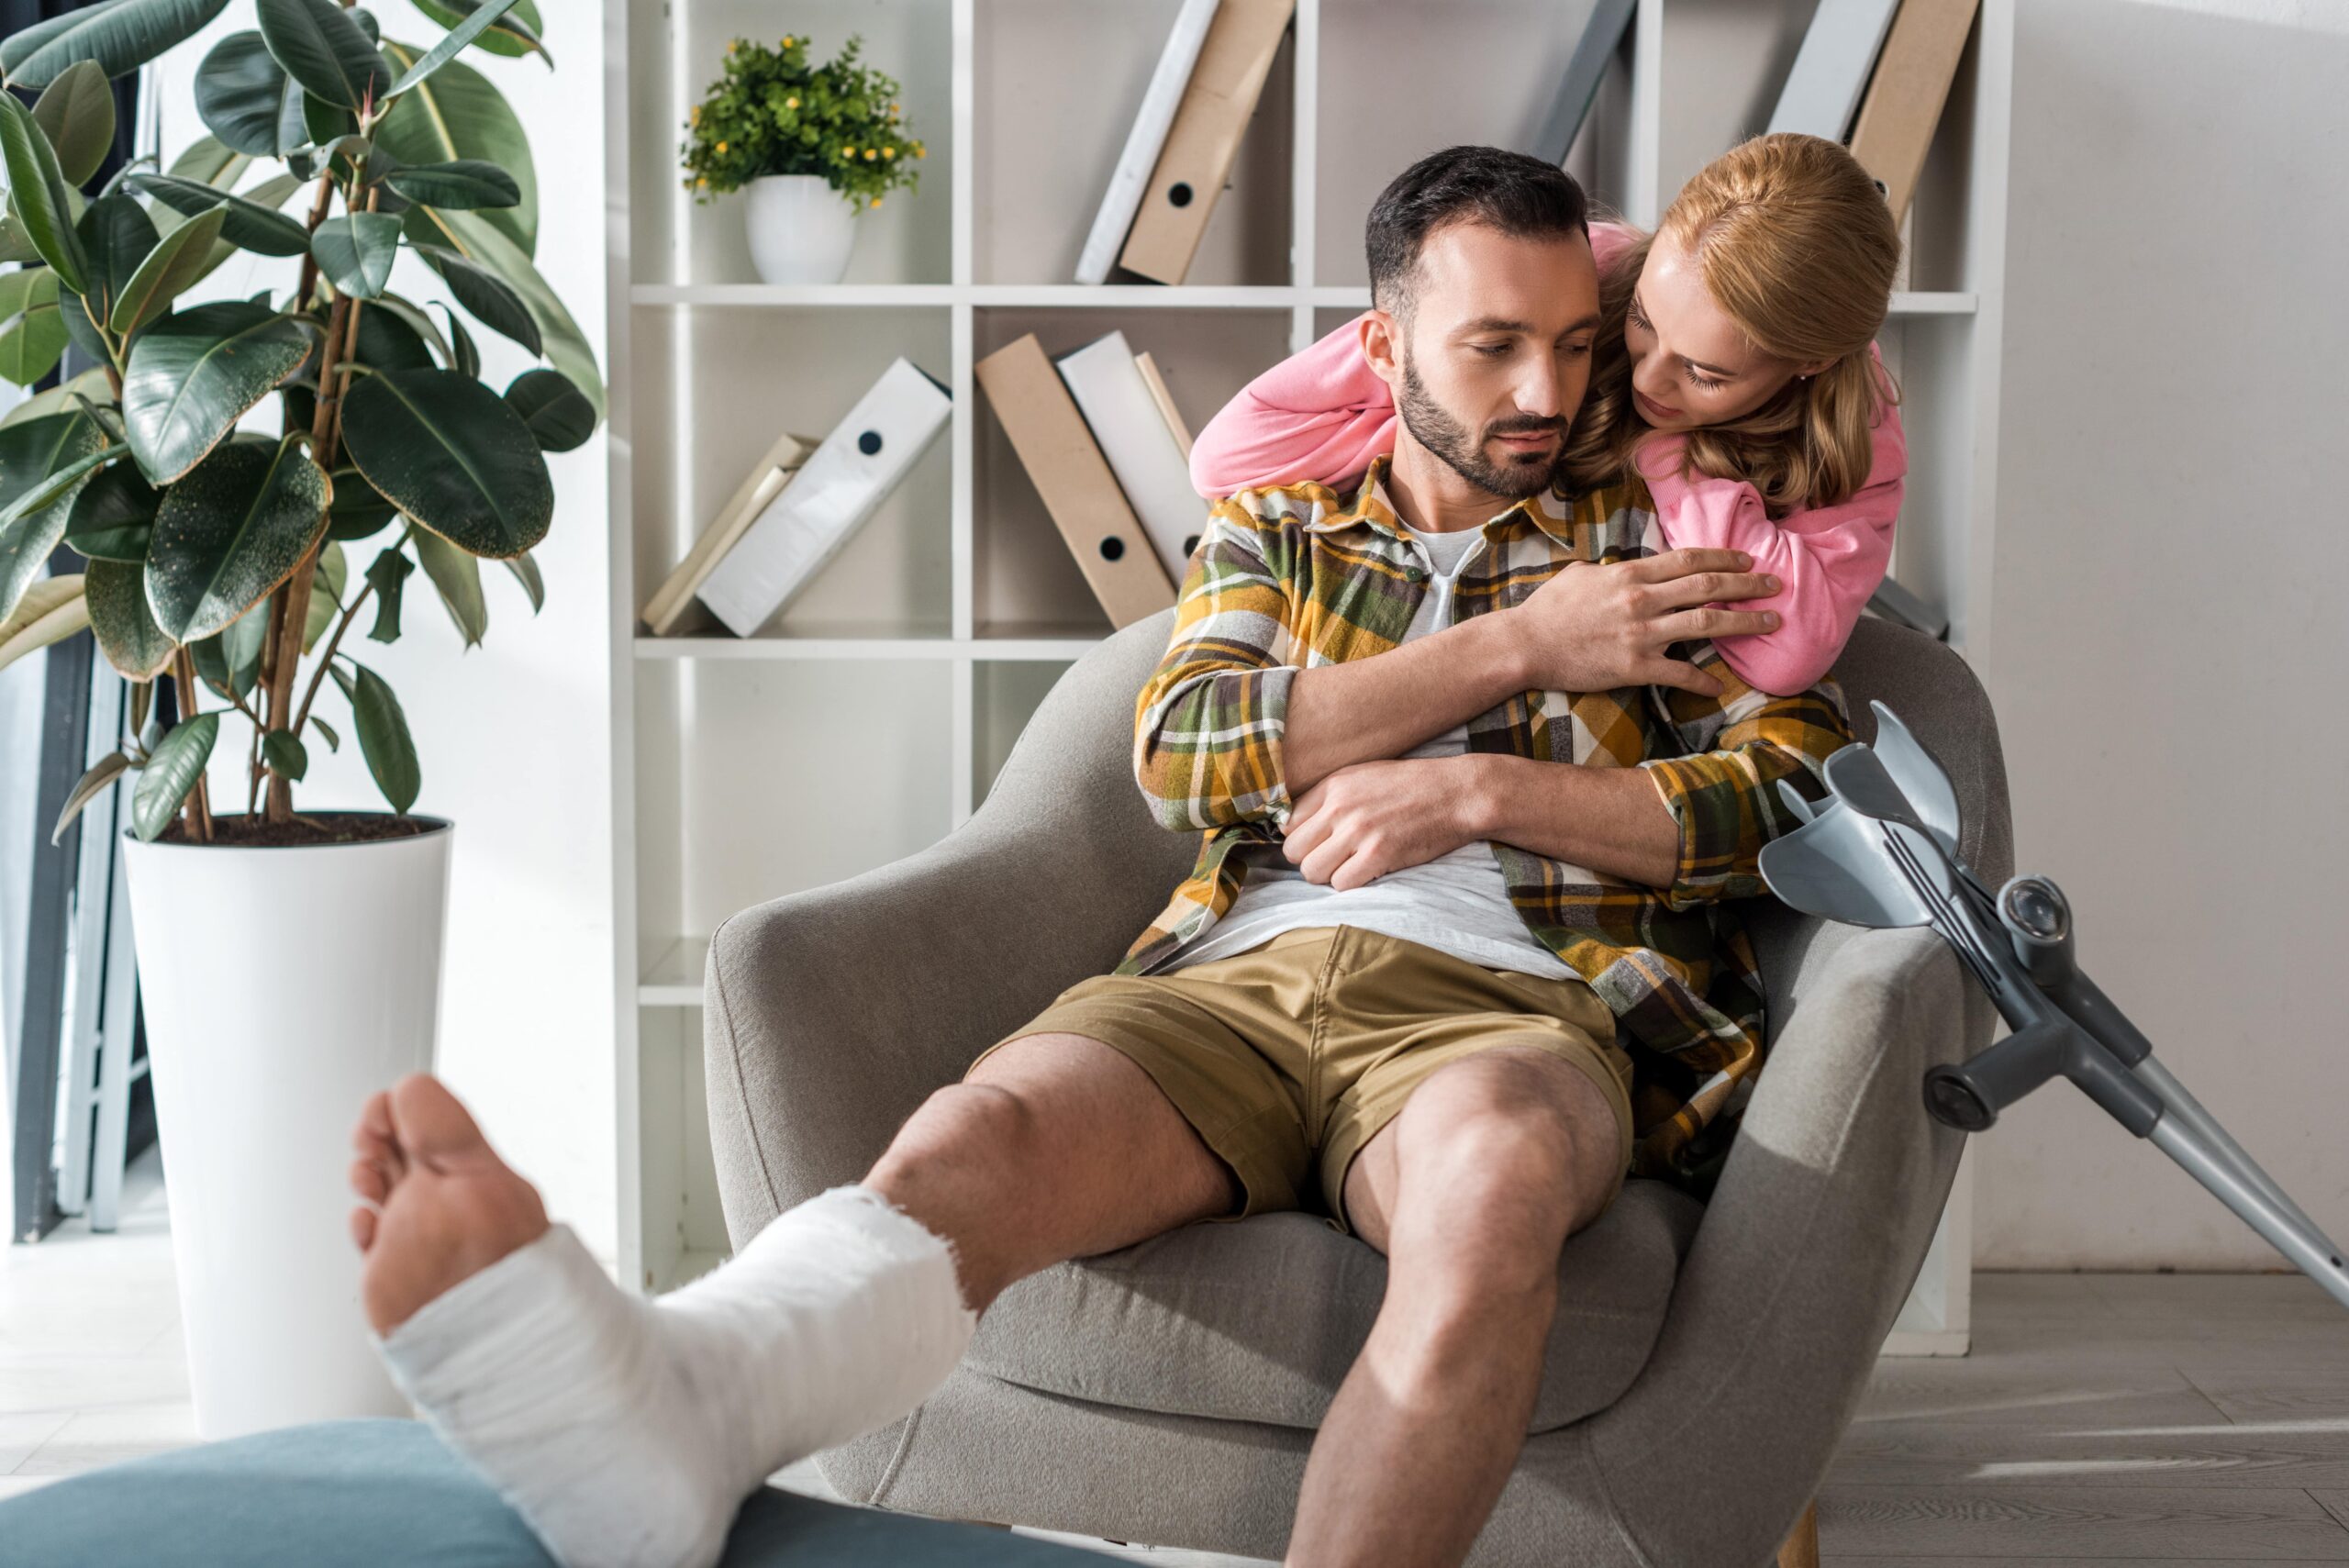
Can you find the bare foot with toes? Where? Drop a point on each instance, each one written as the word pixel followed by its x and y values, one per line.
pixel 440 1205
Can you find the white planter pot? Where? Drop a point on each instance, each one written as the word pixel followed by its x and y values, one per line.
pixel 282 987
pixel 800 230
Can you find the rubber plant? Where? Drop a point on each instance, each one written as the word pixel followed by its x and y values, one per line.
pixel 217 540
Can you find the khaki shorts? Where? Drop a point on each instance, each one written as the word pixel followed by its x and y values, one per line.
pixel 1288 1058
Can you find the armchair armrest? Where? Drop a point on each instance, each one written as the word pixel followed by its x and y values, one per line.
pixel 829 1014
pixel 1815 1233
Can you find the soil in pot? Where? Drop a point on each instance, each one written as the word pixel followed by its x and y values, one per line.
pixel 308 830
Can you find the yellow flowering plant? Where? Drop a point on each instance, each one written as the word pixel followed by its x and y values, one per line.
pixel 772 113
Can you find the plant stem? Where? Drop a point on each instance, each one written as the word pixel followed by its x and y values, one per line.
pixel 326 442
pixel 296 606
pixel 326 659
pixel 266 685
pixel 197 810
pixel 276 672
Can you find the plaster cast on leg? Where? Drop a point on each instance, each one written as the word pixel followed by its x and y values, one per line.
pixel 627 1432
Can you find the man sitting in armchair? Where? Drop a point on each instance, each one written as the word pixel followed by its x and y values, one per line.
pixel 1455 957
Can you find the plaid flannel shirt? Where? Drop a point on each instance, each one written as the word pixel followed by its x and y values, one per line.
pixel 1300 576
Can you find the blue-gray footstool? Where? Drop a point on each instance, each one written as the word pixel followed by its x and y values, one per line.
pixel 348 1493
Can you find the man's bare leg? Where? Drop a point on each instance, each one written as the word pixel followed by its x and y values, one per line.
pixel 1056 1147
pixel 1470 1192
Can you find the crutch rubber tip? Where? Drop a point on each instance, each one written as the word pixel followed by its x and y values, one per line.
pixel 1953 1102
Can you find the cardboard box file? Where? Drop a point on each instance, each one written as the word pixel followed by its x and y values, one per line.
pixel 1906 97
pixel 1144 141
pixel 1070 473
pixel 1205 138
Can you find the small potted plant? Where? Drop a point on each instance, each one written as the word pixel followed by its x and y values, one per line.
pixel 290 963
pixel 814 145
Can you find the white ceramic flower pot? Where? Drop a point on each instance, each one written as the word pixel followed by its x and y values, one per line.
pixel 282 987
pixel 800 230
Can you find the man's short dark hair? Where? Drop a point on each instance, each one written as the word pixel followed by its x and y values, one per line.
pixel 1512 191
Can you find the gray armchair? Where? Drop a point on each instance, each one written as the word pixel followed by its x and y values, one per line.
pixel 1705 1360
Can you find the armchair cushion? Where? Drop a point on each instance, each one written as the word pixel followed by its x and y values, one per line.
pixel 1260 1321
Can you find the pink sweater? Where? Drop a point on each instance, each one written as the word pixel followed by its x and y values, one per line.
pixel 1324 414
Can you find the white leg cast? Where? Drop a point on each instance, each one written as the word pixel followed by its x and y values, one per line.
pixel 627 1432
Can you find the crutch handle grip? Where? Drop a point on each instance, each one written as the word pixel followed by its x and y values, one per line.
pixel 1970 1097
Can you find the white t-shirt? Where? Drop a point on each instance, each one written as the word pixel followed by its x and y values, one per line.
pixel 1458 902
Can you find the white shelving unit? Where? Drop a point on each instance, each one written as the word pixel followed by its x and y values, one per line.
pixel 967 605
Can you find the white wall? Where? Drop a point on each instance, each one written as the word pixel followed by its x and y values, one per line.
pixel 514 736
pixel 2167 633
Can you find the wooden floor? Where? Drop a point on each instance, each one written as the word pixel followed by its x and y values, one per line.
pixel 2102 1420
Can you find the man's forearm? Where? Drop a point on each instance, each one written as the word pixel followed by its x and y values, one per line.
pixel 1610 819
pixel 1367 710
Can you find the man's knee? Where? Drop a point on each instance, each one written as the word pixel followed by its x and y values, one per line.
pixel 964 1130
pixel 1498 1166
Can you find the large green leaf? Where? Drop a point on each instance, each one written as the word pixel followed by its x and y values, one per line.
pixel 52 610
pixel 492 302
pixel 387 341
pixel 459 116
pixel 95 783
pixel 558 413
pixel 192 375
pixel 514 34
pixel 383 735
pixel 458 577
pixel 124 623
pixel 32 333
pixel 170 772
pixel 15 245
pixel 451 454
pixel 207 162
pixel 31 454
pixel 412 316
pixel 322 47
pixel 113 517
pixel 467 182
pixel 471 234
pixel 79 330
pixel 484 15
pixel 326 594
pixel 116 237
pixel 356 249
pixel 284 754
pixel 240 647
pixel 265 196
pixel 120 35
pixel 321 122
pixel 386 574
pixel 37 190
pixel 75 111
pixel 90 383
pixel 360 509
pixel 526 572
pixel 230 531
pixel 249 225
pixel 240 94
pixel 176 261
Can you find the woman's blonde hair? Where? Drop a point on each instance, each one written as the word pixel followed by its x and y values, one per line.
pixel 1796 246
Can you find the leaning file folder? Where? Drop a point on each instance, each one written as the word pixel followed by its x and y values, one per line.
pixel 1118 406
pixel 1144 141
pixel 1216 104
pixel 837 489
pixel 1831 69
pixel 1074 481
